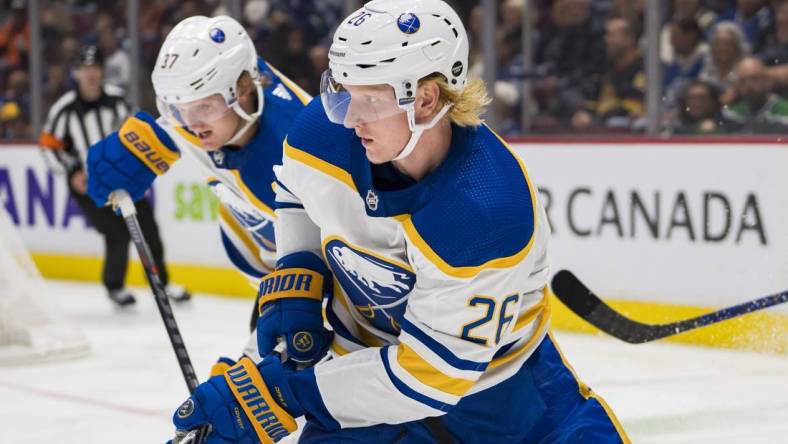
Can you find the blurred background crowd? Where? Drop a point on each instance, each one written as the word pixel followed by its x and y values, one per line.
pixel 723 64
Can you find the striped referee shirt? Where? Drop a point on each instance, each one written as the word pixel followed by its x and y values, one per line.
pixel 73 125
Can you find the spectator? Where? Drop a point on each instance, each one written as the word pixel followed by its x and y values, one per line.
pixel 619 104
pixel 15 37
pixel 775 56
pixel 690 55
pixel 776 52
pixel 569 58
pixel 700 111
pixel 759 111
pixel 15 106
pixel 633 11
pixel 682 10
pixel 728 46
pixel 754 18
pixel 117 68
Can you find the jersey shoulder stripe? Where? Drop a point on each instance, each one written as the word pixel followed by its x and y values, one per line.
pixel 406 390
pixel 292 88
pixel 317 142
pixel 483 212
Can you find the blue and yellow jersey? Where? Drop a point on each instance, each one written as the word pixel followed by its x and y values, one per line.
pixel 242 177
pixel 438 287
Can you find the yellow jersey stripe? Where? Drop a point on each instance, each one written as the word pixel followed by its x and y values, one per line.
pixel 239 231
pixel 302 95
pixel 250 196
pixel 319 164
pixel 586 393
pixel 191 138
pixel 428 375
pixel 460 272
pixel 529 345
pixel 471 271
pixel 531 314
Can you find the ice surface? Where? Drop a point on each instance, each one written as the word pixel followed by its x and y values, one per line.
pixel 126 391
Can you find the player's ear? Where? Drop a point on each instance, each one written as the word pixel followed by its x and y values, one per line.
pixel 245 90
pixel 427 101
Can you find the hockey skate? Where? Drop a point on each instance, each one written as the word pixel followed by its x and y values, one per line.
pixel 177 293
pixel 122 297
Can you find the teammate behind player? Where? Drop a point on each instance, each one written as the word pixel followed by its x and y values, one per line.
pixel 438 248
pixel 229 109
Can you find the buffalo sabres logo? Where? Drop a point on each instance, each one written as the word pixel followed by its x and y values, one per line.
pixel 302 341
pixel 246 214
pixel 408 23
pixel 217 35
pixel 372 200
pixel 377 287
pixel 217 157
pixel 186 409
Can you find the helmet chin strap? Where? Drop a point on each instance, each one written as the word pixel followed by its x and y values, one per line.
pixel 417 129
pixel 249 118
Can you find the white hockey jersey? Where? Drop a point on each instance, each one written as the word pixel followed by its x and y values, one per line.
pixel 438 287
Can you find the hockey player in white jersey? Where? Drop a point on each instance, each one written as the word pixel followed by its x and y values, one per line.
pixel 229 109
pixel 431 233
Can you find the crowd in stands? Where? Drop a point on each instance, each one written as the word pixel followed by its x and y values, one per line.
pixel 724 62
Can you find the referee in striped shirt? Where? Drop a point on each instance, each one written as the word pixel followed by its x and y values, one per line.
pixel 79 119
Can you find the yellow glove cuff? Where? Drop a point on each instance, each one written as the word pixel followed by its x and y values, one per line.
pixel 291 283
pixel 269 420
pixel 139 138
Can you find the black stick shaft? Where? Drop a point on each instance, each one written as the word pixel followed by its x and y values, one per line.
pixel 165 310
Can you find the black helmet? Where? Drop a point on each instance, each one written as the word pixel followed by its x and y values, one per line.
pixel 90 55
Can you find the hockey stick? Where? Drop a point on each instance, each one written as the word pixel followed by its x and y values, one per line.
pixel 596 312
pixel 120 199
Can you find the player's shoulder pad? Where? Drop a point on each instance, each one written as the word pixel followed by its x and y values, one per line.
pixel 318 138
pixel 483 208
pixel 281 88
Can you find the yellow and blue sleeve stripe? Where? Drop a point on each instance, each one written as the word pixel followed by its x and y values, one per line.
pixel 407 390
pixel 441 350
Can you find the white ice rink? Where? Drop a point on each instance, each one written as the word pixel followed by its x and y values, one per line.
pixel 126 390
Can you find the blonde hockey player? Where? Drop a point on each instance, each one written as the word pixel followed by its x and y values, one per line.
pixel 429 232
pixel 230 110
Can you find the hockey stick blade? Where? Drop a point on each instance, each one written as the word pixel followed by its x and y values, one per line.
pixel 583 302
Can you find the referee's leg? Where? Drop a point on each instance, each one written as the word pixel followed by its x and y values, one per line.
pixel 150 229
pixel 116 241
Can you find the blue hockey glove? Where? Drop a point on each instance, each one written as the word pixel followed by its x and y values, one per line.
pixel 290 303
pixel 247 404
pixel 129 159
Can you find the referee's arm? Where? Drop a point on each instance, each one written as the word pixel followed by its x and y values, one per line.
pixel 54 139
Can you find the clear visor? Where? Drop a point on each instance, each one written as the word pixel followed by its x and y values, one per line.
pixel 352 105
pixel 201 111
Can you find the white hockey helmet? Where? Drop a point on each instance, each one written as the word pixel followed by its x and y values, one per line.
pixel 202 58
pixel 395 42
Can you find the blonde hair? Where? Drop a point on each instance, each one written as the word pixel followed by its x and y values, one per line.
pixel 468 103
